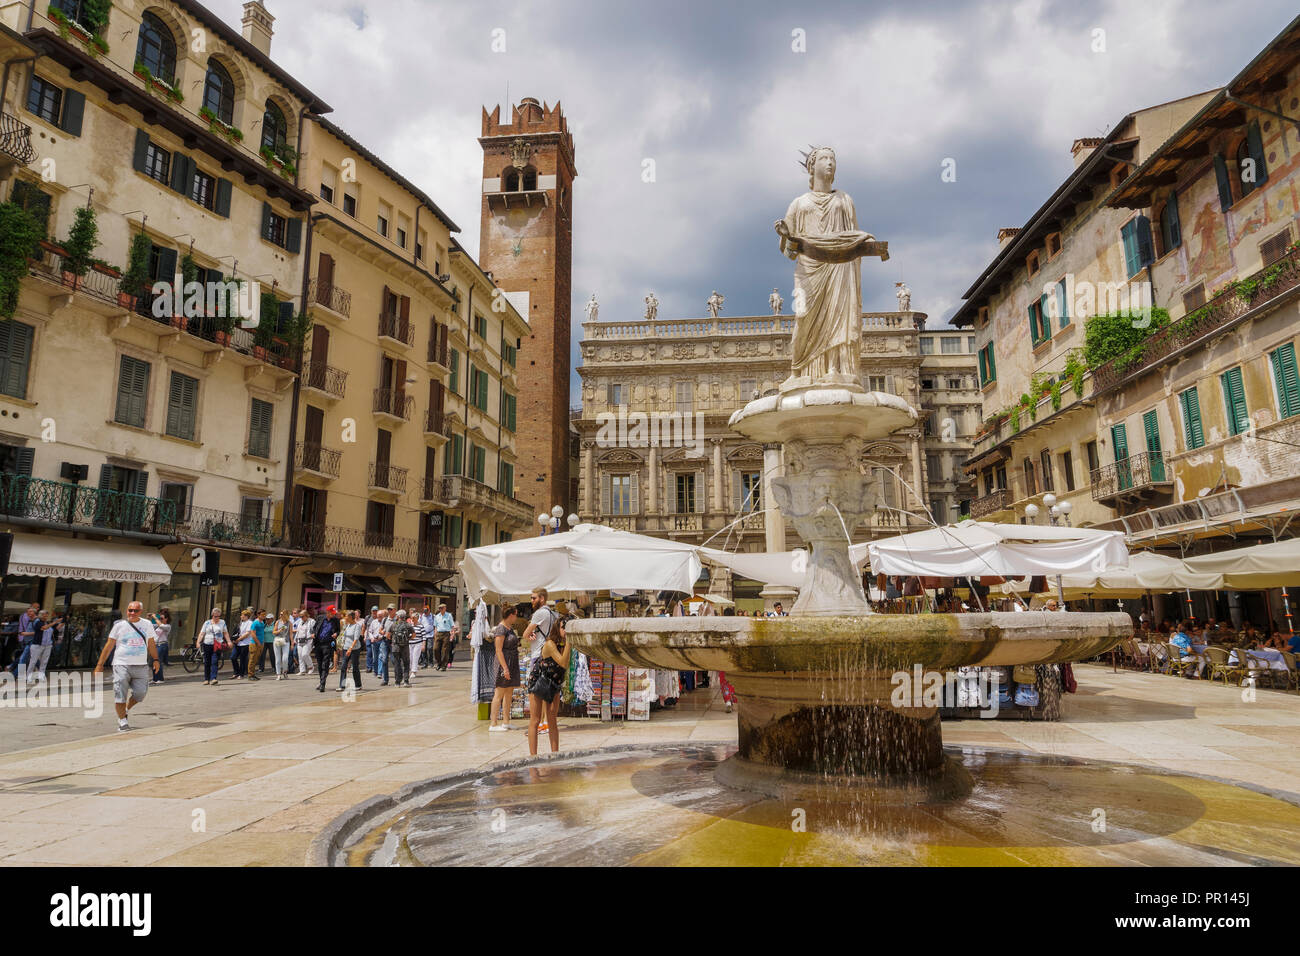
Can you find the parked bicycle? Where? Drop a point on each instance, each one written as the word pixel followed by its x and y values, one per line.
pixel 192 659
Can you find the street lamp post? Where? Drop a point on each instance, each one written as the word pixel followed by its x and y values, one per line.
pixel 552 520
pixel 1054 511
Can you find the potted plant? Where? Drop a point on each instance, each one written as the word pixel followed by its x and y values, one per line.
pixel 103 268
pixel 264 334
pixel 136 277
pixel 19 234
pixel 81 242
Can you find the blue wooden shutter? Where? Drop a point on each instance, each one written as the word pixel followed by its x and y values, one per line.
pixel 74 106
pixel 1255 146
pixel 1146 248
pixel 1288 384
pixel 1129 236
pixel 1225 183
pixel 1175 238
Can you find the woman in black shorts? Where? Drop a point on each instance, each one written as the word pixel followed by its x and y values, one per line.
pixel 544 685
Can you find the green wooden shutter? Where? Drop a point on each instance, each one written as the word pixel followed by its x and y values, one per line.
pixel 1192 428
pixel 74 106
pixel 24 458
pixel 1234 400
pixel 182 177
pixel 453 380
pixel 175 397
pixel 105 477
pixel 1045 316
pixel 1145 247
pixel 222 203
pixel 984 371
pixel 1288 384
pixel 1225 184
pixel 132 392
pixel 141 483
pixel 1123 468
pixel 259 429
pixel 141 150
pixel 1062 305
pixel 993 367
pixel 1175 224
pixel 1156 462
pixel 15 357
pixel 1255 146
pixel 1033 325
pixel 182 405
pixel 293 235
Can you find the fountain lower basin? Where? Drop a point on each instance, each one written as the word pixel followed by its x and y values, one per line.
pixel 817 703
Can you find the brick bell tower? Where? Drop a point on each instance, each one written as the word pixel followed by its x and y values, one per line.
pixel 526 242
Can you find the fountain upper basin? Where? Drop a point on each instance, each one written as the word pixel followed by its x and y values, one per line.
pixel 766 645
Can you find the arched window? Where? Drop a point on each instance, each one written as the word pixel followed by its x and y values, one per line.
pixel 275 131
pixel 1245 184
pixel 156 48
pixel 530 178
pixel 511 182
pixel 219 93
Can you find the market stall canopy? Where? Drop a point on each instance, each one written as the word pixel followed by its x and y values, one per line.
pixel 47 556
pixel 975 548
pixel 1147 571
pixel 588 558
pixel 1258 567
pixel 779 568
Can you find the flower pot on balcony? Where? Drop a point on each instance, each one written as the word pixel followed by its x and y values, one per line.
pixel 126 301
pixel 259 353
pixel 107 270
pixel 222 337
pixel 70 279
pixel 54 247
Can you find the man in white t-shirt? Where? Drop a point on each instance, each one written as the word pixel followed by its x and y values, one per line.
pixel 540 627
pixel 131 642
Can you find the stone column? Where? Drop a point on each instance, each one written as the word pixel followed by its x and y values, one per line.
pixel 719 494
pixel 918 488
pixel 590 497
pixel 773 522
pixel 652 484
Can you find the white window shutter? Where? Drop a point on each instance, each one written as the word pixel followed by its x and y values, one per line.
pixel 635 495
pixel 604 494
pixel 701 492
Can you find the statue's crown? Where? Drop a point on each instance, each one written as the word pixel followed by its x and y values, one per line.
pixel 811 155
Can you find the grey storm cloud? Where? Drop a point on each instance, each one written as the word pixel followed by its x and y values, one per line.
pixel 717 97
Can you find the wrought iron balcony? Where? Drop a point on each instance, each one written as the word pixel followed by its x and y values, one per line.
pixel 230 528
pixel 16 139
pixel 435 422
pixel 988 504
pixel 61 503
pixel 438 347
pixel 394 402
pixel 395 328
pixel 1134 476
pixel 313 457
pixel 330 296
pixel 431 489
pixel 432 555
pixel 388 477
pixel 352 543
pixel 98 285
pixel 325 378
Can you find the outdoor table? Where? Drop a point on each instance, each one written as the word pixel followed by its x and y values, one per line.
pixel 1270 655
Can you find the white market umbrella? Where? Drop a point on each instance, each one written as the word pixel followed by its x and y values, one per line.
pixel 974 548
pixel 1147 572
pixel 588 558
pixel 1254 568
pixel 778 568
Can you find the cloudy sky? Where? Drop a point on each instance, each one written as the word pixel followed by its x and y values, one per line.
pixel 718 97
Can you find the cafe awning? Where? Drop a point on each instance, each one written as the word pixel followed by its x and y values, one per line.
pixel 47 556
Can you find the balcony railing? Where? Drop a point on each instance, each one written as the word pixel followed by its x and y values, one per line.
pixel 1136 473
pixel 325 378
pixel 310 456
pixel 94 283
pixel 229 528
pixel 330 296
pixel 16 139
pixel 394 327
pixel 61 503
pixel 994 501
pixel 431 489
pixel 352 543
pixel 388 477
pixel 431 555
pixel 394 402
pixel 1233 302
pixel 435 422
pixel 460 491
pixel 687 523
pixel 438 349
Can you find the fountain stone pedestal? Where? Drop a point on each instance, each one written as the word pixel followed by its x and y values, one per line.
pixel 823 429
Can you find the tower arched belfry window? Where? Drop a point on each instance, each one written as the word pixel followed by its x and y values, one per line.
pixel 219 92
pixel 156 48
pixel 510 180
pixel 529 178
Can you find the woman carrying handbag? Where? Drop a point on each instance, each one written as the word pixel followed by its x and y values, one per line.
pixel 544 683
pixel 212 640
